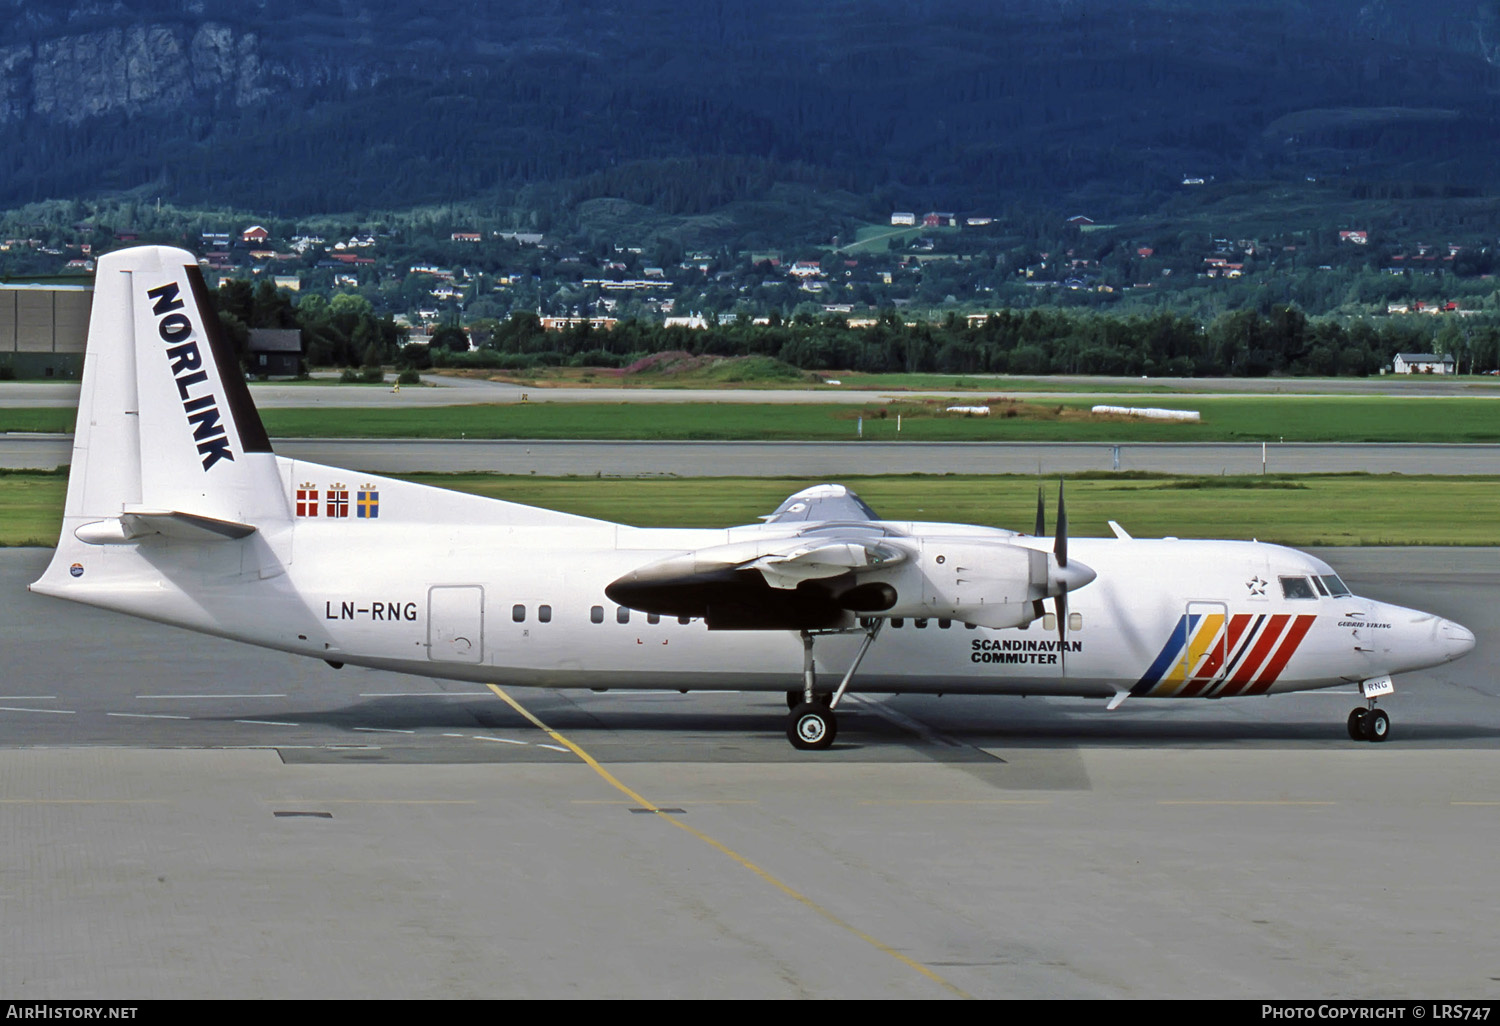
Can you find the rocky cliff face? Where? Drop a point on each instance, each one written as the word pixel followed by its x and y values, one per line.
pixel 130 71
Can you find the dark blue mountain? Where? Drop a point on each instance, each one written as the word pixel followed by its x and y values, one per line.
pixel 325 105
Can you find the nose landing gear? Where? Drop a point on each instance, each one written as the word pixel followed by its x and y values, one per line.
pixel 1370 724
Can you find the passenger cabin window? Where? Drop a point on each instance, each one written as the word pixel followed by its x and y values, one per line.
pixel 518 613
pixel 622 614
pixel 919 622
pixel 684 619
pixel 596 614
pixel 1336 587
pixel 944 624
pixel 1297 588
pixel 544 614
pixel 897 622
pixel 653 618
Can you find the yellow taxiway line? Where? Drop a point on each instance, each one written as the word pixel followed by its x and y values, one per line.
pixel 724 849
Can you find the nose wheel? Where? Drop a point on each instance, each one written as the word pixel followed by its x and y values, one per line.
pixel 1370 724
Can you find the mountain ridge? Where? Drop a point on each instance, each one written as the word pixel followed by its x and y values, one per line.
pixel 947 103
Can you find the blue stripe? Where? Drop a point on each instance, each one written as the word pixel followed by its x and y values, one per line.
pixel 1169 655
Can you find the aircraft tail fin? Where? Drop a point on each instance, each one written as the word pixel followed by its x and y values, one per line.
pixel 165 420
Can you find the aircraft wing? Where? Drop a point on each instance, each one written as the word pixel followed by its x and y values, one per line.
pixel 811 579
pixel 833 561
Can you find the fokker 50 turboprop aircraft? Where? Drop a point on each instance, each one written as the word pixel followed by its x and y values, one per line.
pixel 178 511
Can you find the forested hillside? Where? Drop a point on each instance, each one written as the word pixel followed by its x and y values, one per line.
pixel 535 107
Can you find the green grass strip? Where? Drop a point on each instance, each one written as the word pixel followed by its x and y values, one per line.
pixel 1322 509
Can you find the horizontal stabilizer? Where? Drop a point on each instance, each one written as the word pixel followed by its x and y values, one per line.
pixel 131 527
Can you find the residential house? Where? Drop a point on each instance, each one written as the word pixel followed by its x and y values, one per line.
pixel 1423 363
pixel 275 352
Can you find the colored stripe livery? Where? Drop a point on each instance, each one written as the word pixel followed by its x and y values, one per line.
pixel 1212 655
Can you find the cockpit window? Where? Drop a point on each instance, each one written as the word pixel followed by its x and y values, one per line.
pixel 1336 587
pixel 1318 583
pixel 1297 588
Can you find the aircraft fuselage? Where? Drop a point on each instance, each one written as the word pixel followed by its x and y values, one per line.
pixel 526 605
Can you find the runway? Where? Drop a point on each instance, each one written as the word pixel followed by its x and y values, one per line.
pixel 184 817
pixel 446 390
pixel 831 459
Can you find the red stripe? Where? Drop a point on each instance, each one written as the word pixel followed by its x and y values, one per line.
pixel 1216 656
pixel 1263 646
pixel 1288 648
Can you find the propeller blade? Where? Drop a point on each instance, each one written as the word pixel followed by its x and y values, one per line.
pixel 1062 630
pixel 1041 515
pixel 1060 550
pixel 1060 545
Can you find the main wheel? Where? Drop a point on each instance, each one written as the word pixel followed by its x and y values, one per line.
pixel 1377 725
pixel 1357 725
pixel 811 727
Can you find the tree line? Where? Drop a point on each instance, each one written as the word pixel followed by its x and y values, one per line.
pixel 344 331
pixel 1244 343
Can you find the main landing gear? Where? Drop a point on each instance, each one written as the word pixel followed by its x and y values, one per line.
pixel 812 725
pixel 1370 724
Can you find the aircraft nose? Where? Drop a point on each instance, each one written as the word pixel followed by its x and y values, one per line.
pixel 1415 640
pixel 1456 639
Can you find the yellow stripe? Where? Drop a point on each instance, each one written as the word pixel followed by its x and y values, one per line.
pixel 1202 641
pixel 570 746
pixel 614 782
pixel 1208 632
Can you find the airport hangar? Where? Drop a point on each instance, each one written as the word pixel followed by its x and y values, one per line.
pixel 44 325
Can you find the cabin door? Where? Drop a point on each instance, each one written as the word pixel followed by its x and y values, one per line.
pixel 455 624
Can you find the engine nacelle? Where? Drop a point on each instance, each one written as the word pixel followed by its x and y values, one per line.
pixel 990 583
pixel 823 583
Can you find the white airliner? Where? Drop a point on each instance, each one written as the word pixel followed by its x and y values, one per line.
pixel 178 511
